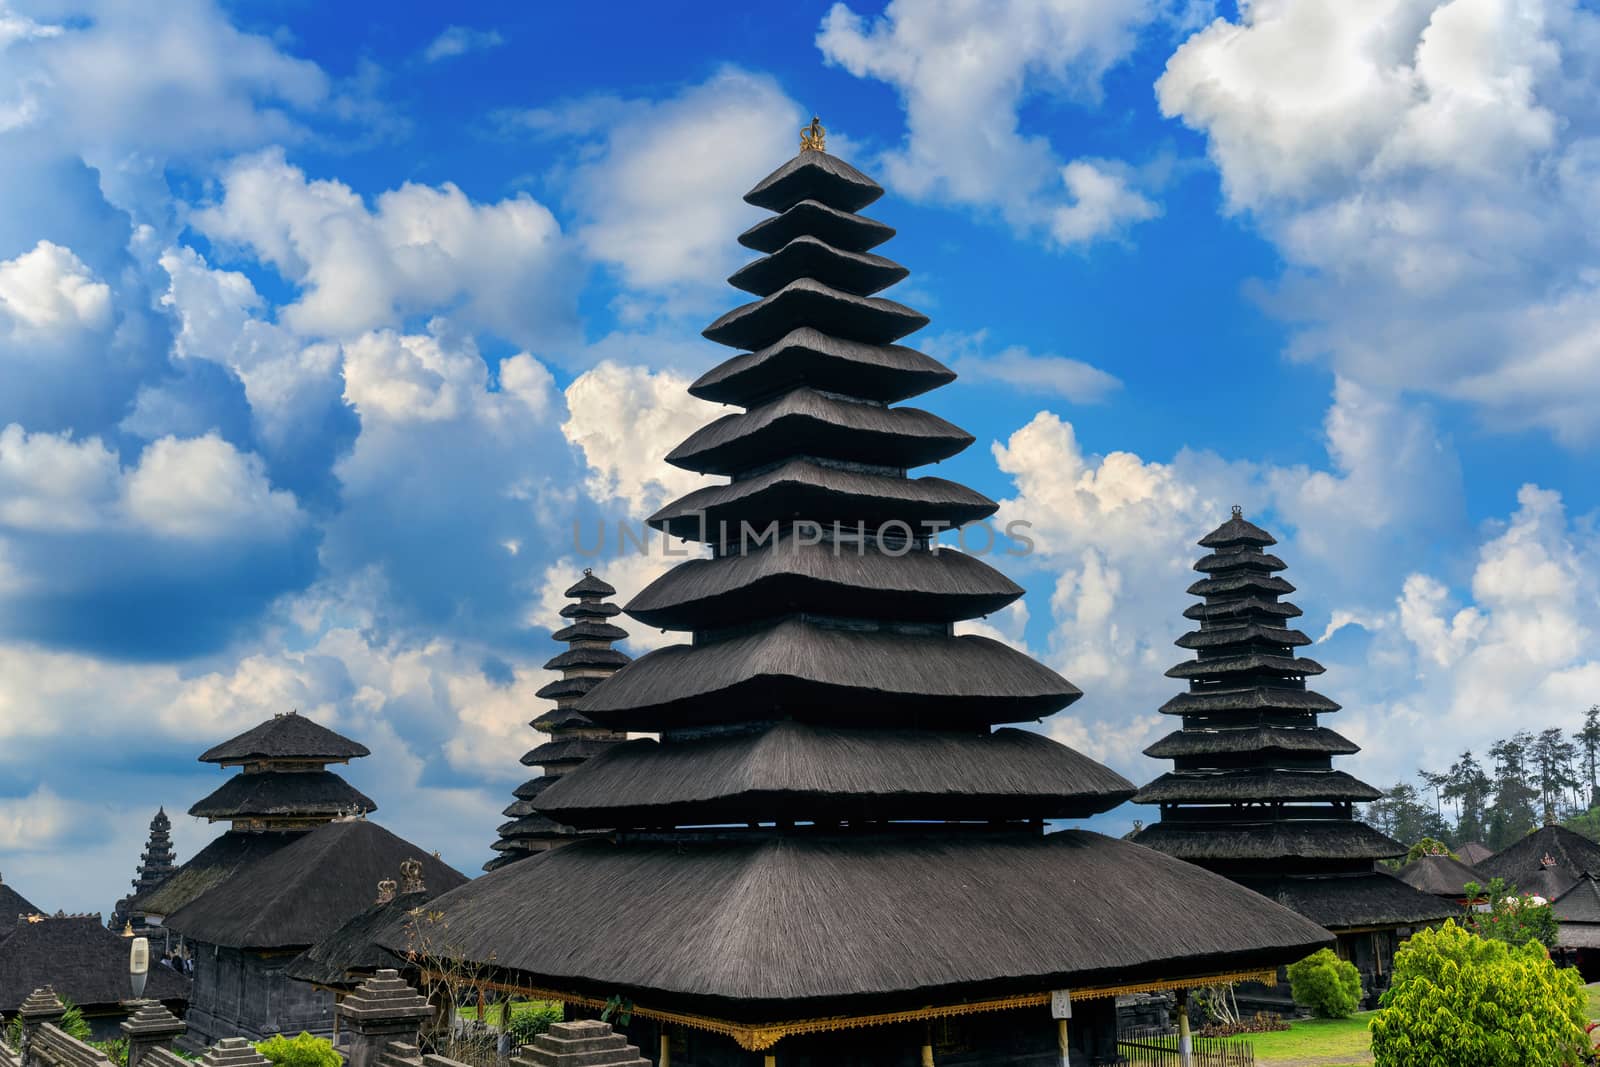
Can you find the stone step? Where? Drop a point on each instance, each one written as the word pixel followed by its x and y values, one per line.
pixel 584 1043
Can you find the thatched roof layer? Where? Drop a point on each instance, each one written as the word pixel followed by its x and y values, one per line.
pixel 824 495
pixel 1254 784
pixel 1440 875
pixel 1192 741
pixel 815 176
pixel 566 750
pixel 586 657
pixel 823 578
pixel 1238 532
pixel 775 928
pixel 858 273
pixel 1572 852
pixel 224 855
pixel 12 904
pixel 1346 902
pixel 825 673
pixel 350 954
pixel 789 771
pixel 1270 840
pixel 805 422
pixel 589 585
pixel 290 736
pixel 85 963
pixel 804 356
pixel 589 631
pixel 1473 853
pixel 283 794
pixel 299 894
pixel 1579 904
pixel 843 230
pixel 1258 698
pixel 871 320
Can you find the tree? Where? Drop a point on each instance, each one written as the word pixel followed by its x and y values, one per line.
pixel 1329 986
pixel 1554 756
pixel 1459 1000
pixel 1588 744
pixel 1511 815
pixel 1513 917
pixel 1428 846
pixel 1437 783
pixel 1469 789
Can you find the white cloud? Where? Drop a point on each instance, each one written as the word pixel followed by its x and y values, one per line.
pixel 49 294
pixel 625 419
pixel 459 40
pixel 964 70
pixel 659 195
pixel 1018 368
pixel 501 267
pixel 1427 169
pixel 38 820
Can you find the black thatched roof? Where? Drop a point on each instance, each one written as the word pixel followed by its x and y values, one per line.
pixel 590 631
pixel 1223 787
pixel 815 175
pixel 781 927
pixel 1257 698
pixel 843 230
pixel 81 959
pixel 858 273
pixel 822 578
pixel 804 356
pixel 589 585
pixel 1440 875
pixel 1270 840
pixel 282 794
pixel 566 750
pixel 301 893
pixel 562 718
pixel 1238 532
pixel 819 425
pixel 589 609
pixel 1473 853
pixel 290 736
pixel 871 320
pixel 1580 903
pixel 567 687
pixel 219 859
pixel 13 904
pixel 1519 862
pixel 1198 741
pixel 1353 902
pixel 830 674
pixel 826 494
pixel 350 954
pixel 789 770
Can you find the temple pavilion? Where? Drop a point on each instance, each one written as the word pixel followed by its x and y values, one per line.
pixel 1253 793
pixel 588 661
pixel 1546 862
pixel 833 850
pixel 156 865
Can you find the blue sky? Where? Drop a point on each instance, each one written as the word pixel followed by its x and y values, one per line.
pixel 321 325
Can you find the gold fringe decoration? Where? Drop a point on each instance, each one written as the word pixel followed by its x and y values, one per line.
pixel 758 1037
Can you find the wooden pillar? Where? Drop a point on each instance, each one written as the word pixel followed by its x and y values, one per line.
pixel 769 1060
pixel 1062 1043
pixel 927 1055
pixel 1185 1041
pixel 666 1048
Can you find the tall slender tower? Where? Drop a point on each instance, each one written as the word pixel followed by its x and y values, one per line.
pixel 156 865
pixel 829 847
pixel 588 661
pixel 1253 793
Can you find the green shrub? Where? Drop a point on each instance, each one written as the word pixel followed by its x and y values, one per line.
pixel 1459 1000
pixel 531 1018
pixel 302 1051
pixel 1329 986
pixel 1429 846
pixel 116 1050
pixel 1513 917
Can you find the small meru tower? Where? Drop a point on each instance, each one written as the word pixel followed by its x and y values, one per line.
pixel 1253 793
pixel 588 661
pixel 835 851
pixel 156 865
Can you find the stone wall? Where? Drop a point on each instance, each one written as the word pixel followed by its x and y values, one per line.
pixel 246 994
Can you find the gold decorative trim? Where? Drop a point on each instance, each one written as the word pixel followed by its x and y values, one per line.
pixel 755 1037
pixel 814 138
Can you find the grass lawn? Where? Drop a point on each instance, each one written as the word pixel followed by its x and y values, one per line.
pixel 1594 1000
pixel 1329 1042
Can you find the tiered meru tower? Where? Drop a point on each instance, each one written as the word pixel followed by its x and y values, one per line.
pixel 156 865
pixel 283 781
pixel 830 833
pixel 588 661
pixel 1253 794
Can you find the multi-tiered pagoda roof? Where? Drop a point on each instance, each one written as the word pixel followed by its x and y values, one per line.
pixel 156 865
pixel 589 660
pixel 838 815
pixel 1253 792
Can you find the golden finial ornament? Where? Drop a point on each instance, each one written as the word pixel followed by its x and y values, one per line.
pixel 814 138
pixel 127 928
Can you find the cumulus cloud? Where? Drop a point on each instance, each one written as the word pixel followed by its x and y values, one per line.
pixel 624 419
pixel 659 194
pixel 1427 171
pixel 458 41
pixel 964 71
pixel 1018 368
pixel 418 250
pixel 48 294
pixel 38 820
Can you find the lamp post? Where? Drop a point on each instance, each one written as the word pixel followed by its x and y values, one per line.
pixel 139 965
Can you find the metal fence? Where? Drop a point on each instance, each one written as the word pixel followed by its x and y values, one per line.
pixel 1155 1048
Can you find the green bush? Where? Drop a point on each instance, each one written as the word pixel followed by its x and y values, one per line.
pixel 1329 986
pixel 531 1018
pixel 1513 917
pixel 1459 1000
pixel 302 1051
